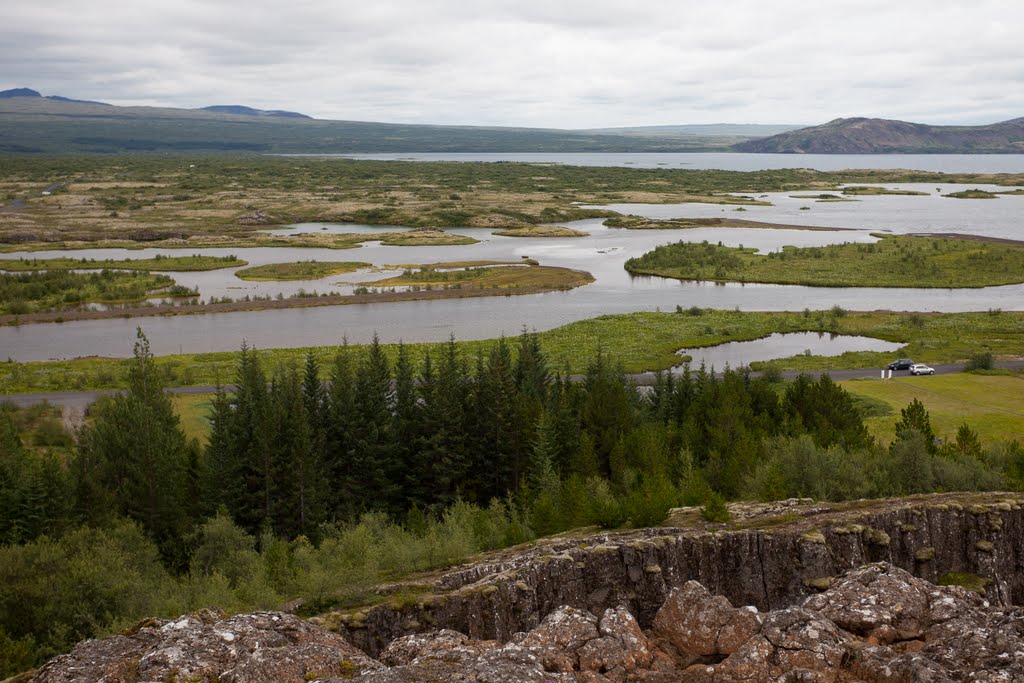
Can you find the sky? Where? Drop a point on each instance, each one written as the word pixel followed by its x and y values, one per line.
pixel 549 63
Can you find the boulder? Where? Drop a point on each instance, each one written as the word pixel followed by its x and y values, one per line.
pixel 698 623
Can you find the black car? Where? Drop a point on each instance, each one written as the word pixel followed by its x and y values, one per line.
pixel 901 364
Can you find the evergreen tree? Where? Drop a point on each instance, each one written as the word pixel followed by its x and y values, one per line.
pixel 138 454
pixel 914 418
pixel 338 438
pixel 499 453
pixel 406 430
pixel 373 462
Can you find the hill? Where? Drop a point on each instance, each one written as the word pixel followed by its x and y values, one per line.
pixel 885 136
pixel 32 124
pixel 249 111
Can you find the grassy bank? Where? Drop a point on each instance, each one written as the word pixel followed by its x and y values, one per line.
pixel 192 263
pixel 642 341
pixel 302 270
pixel 894 261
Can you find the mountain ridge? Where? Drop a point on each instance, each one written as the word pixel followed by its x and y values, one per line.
pixel 863 135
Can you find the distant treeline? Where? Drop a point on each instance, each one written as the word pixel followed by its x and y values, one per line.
pixel 316 489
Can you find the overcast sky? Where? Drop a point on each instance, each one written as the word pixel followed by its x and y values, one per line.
pixel 547 63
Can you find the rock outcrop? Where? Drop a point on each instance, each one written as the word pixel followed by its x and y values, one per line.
pixel 264 647
pixel 770 557
pixel 876 624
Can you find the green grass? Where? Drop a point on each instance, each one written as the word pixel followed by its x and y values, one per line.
pixel 194 412
pixel 992 405
pixel 894 261
pixel 641 341
pixel 302 270
pixel 161 263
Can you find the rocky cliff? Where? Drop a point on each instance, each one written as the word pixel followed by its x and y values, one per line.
pixel 822 593
pixel 881 136
pixel 770 557
pixel 877 624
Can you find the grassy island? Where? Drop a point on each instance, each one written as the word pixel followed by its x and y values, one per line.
pixel 894 261
pixel 192 263
pixel 864 190
pixel 972 194
pixel 302 270
pixel 488 276
pixel 34 292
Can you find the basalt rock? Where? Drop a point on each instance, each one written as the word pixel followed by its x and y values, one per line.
pixel 769 557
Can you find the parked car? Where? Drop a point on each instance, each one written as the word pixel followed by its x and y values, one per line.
pixel 921 369
pixel 901 364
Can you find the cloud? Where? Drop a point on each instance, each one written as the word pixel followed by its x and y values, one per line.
pixel 552 63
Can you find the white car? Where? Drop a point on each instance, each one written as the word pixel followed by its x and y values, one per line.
pixel 921 369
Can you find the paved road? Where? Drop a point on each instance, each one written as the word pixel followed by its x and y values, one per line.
pixel 81 399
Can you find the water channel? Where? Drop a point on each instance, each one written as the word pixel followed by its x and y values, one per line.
pixel 602 252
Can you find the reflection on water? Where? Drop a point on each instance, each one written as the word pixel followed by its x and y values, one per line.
pixel 738 354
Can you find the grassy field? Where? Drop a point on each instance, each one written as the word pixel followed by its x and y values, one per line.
pixel 640 341
pixel 165 201
pixel 195 262
pixel 194 412
pixel 894 261
pixel 302 270
pixel 992 405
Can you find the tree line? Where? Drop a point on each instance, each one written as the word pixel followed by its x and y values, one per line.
pixel 316 479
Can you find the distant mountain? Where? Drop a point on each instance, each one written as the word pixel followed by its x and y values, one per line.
pixel 240 110
pixel 884 136
pixel 19 92
pixel 29 92
pixel 35 124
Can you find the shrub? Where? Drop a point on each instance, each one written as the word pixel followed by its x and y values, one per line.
pixel 715 509
pixel 980 361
